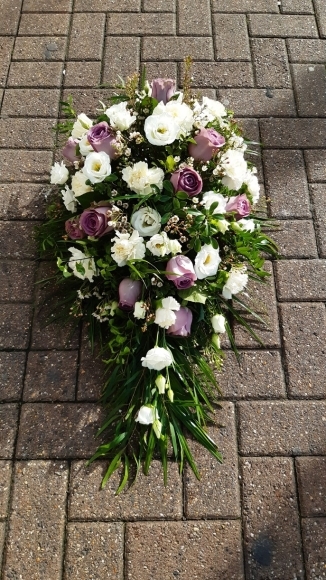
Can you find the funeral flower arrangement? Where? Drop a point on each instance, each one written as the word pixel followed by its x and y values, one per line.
pixel 153 225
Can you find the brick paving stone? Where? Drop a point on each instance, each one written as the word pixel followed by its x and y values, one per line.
pixel 163 69
pixel 306 50
pixel 262 301
pixel 50 376
pixel 12 369
pixel 282 427
pixel 314 533
pixel 301 280
pixel 270 63
pixel 320 10
pixel 17 240
pixel 2 539
pixel 35 74
pixel 311 473
pixel 293 133
pixel 316 165
pixel 82 74
pixel 45 6
pixel 147 499
pixel 159 6
pixel 194 17
pixel 258 374
pixel 260 102
pixel 31 103
pixel 6 44
pixel 91 375
pixel 197 550
pixel 107 6
pixel 231 37
pixel 29 133
pixel 279 25
pixel 310 86
pixel 5 479
pixel 318 193
pixel 216 495
pixel 286 184
pixel 38 24
pixel 40 48
pixel 295 239
pixel 35 539
pixel 87 100
pixel 271 523
pixel 245 6
pixel 221 74
pixel 15 324
pixel 177 48
pixel 121 58
pixel 119 24
pixel 64 430
pixel 304 335
pixel 297 7
pixel 84 29
pixel 16 280
pixel 11 10
pixel 8 429
pixel 21 201
pixel 94 551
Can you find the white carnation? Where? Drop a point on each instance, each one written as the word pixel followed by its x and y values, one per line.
pixel 161 129
pixel 69 199
pixel 159 245
pixel 78 184
pixel 120 117
pixel 164 317
pixel 218 323
pixel 207 262
pixel 59 174
pixel 235 169
pixel 127 247
pixel 147 221
pixel 85 146
pixel 214 109
pixel 140 178
pixel 247 225
pixel 211 197
pixel 170 302
pixel 180 112
pixel 157 359
pixel 97 166
pixel 235 283
pixel 82 266
pixel 253 186
pixel 81 126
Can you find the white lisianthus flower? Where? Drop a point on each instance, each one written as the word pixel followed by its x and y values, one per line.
pixel 218 323
pixel 235 169
pixel 207 262
pixel 127 247
pixel 120 117
pixel 140 178
pixel 159 245
pixel 247 225
pixel 211 197
pixel 161 129
pixel 82 266
pixel 157 358
pixel 81 126
pixel 147 221
pixel 160 382
pixel 69 199
pixel 175 247
pixel 235 283
pixel 97 166
pixel 139 310
pixel 164 317
pixel 157 426
pixel 85 146
pixel 222 225
pixel 253 186
pixel 59 174
pixel 181 113
pixel 146 415
pixel 78 184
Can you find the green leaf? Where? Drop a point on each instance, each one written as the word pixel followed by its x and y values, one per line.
pixel 125 475
pixel 193 295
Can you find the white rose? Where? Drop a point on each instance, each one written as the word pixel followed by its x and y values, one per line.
pixel 157 358
pixel 161 129
pixel 139 310
pixel 85 146
pixel 97 166
pixel 59 174
pixel 207 262
pixel 159 245
pixel 146 221
pixel 82 266
pixel 175 247
pixel 211 197
pixel 164 317
pixel 81 126
pixel 127 247
pixel 146 415
pixel 253 186
pixel 181 113
pixel 69 199
pixel 236 282
pixel 78 184
pixel 140 178
pixel 235 169
pixel 247 225
pixel 120 117
pixel 218 323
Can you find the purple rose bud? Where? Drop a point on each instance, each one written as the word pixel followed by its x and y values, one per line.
pixel 239 204
pixel 102 138
pixel 94 221
pixel 129 292
pixel 207 143
pixel 163 89
pixel 187 180
pixel 73 229
pixel 182 325
pixel 69 150
pixel 181 272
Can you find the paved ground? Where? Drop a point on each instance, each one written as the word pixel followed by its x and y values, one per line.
pixel 262 515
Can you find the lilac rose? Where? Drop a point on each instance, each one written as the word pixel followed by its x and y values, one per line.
pixel 73 229
pixel 180 271
pixel 102 138
pixel 182 324
pixel 94 221
pixel 69 150
pixel 187 180
pixel 163 89
pixel 239 204
pixel 207 143
pixel 129 292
